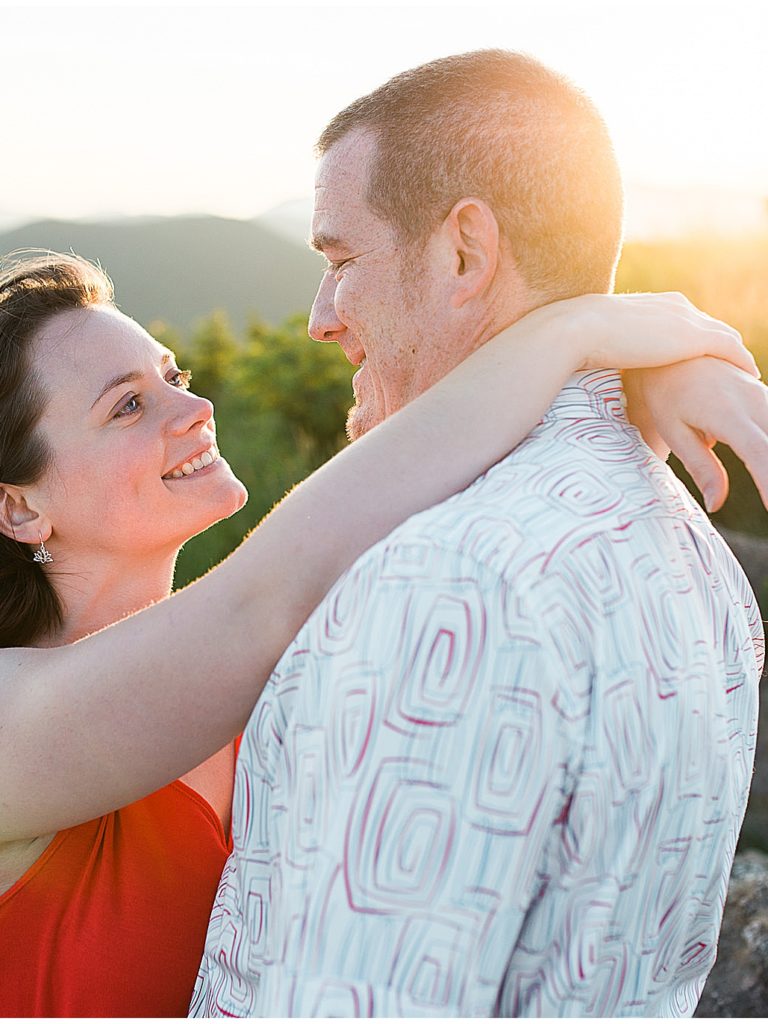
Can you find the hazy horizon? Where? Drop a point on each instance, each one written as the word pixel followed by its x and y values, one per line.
pixel 652 212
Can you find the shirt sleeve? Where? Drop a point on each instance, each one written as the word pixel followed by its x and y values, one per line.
pixel 429 753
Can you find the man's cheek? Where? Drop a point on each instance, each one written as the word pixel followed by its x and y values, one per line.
pixel 342 306
pixel 349 299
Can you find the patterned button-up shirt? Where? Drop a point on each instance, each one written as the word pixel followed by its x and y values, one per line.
pixel 503 767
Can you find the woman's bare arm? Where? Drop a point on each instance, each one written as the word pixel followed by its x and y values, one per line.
pixel 98 724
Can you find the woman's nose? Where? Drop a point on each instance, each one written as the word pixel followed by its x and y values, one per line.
pixel 192 410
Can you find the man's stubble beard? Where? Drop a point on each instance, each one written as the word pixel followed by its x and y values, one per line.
pixel 361 419
pixel 352 431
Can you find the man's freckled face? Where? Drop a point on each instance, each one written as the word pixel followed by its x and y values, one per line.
pixel 366 302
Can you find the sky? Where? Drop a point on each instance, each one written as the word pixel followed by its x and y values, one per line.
pixel 169 109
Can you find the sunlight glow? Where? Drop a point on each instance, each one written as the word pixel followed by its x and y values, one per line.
pixel 172 109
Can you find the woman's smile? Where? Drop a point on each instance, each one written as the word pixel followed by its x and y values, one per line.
pixel 207 458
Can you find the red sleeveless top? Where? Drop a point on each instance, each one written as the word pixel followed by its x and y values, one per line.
pixel 110 920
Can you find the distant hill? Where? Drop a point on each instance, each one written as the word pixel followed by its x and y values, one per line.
pixel 291 219
pixel 652 212
pixel 179 269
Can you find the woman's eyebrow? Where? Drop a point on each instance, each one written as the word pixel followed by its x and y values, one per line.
pixel 125 378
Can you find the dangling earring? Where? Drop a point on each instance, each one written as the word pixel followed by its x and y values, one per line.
pixel 42 555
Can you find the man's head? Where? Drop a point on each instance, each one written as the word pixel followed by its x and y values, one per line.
pixel 451 201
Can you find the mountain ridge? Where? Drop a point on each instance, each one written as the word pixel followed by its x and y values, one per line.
pixel 180 269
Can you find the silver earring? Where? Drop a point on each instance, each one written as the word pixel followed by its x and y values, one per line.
pixel 42 555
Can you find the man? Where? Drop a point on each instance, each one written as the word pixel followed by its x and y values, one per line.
pixel 503 767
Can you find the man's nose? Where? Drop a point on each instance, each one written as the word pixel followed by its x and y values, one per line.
pixel 324 324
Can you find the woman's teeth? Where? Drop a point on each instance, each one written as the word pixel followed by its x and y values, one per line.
pixel 199 462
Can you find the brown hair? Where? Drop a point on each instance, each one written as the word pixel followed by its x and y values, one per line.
pixel 504 128
pixel 34 286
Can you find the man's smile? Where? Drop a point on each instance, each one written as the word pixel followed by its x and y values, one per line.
pixel 355 352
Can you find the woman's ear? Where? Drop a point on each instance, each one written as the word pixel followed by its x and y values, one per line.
pixel 473 233
pixel 18 520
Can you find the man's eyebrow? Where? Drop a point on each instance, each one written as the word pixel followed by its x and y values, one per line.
pixel 126 378
pixel 320 242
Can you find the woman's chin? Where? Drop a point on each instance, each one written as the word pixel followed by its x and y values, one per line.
pixel 230 503
pixel 236 493
pixel 242 496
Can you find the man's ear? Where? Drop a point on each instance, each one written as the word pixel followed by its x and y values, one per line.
pixel 18 519
pixel 473 233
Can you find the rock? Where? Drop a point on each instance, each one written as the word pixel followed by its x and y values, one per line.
pixel 752 554
pixel 738 984
pixel 754 832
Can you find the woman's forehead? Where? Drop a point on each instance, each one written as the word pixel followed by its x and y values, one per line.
pixel 83 338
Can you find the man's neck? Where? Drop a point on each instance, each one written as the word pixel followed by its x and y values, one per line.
pixel 509 301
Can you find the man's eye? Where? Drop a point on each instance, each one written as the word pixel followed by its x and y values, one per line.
pixel 335 265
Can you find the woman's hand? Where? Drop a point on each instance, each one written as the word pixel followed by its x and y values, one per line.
pixel 690 380
pixel 690 406
pixel 628 331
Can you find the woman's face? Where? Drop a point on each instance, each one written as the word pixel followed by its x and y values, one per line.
pixel 124 432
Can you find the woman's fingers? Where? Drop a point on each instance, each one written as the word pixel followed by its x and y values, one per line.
pixel 701 334
pixel 726 343
pixel 705 468
pixel 740 420
pixel 749 440
pixel 648 329
pixel 718 403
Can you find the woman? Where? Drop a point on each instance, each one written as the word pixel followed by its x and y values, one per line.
pixel 108 464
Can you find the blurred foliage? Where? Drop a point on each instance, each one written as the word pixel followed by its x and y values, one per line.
pixel 725 277
pixel 281 399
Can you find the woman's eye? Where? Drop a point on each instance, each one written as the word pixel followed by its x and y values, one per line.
pixel 180 378
pixel 129 407
pixel 134 403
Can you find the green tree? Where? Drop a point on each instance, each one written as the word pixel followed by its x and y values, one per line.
pixel 303 382
pixel 213 355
